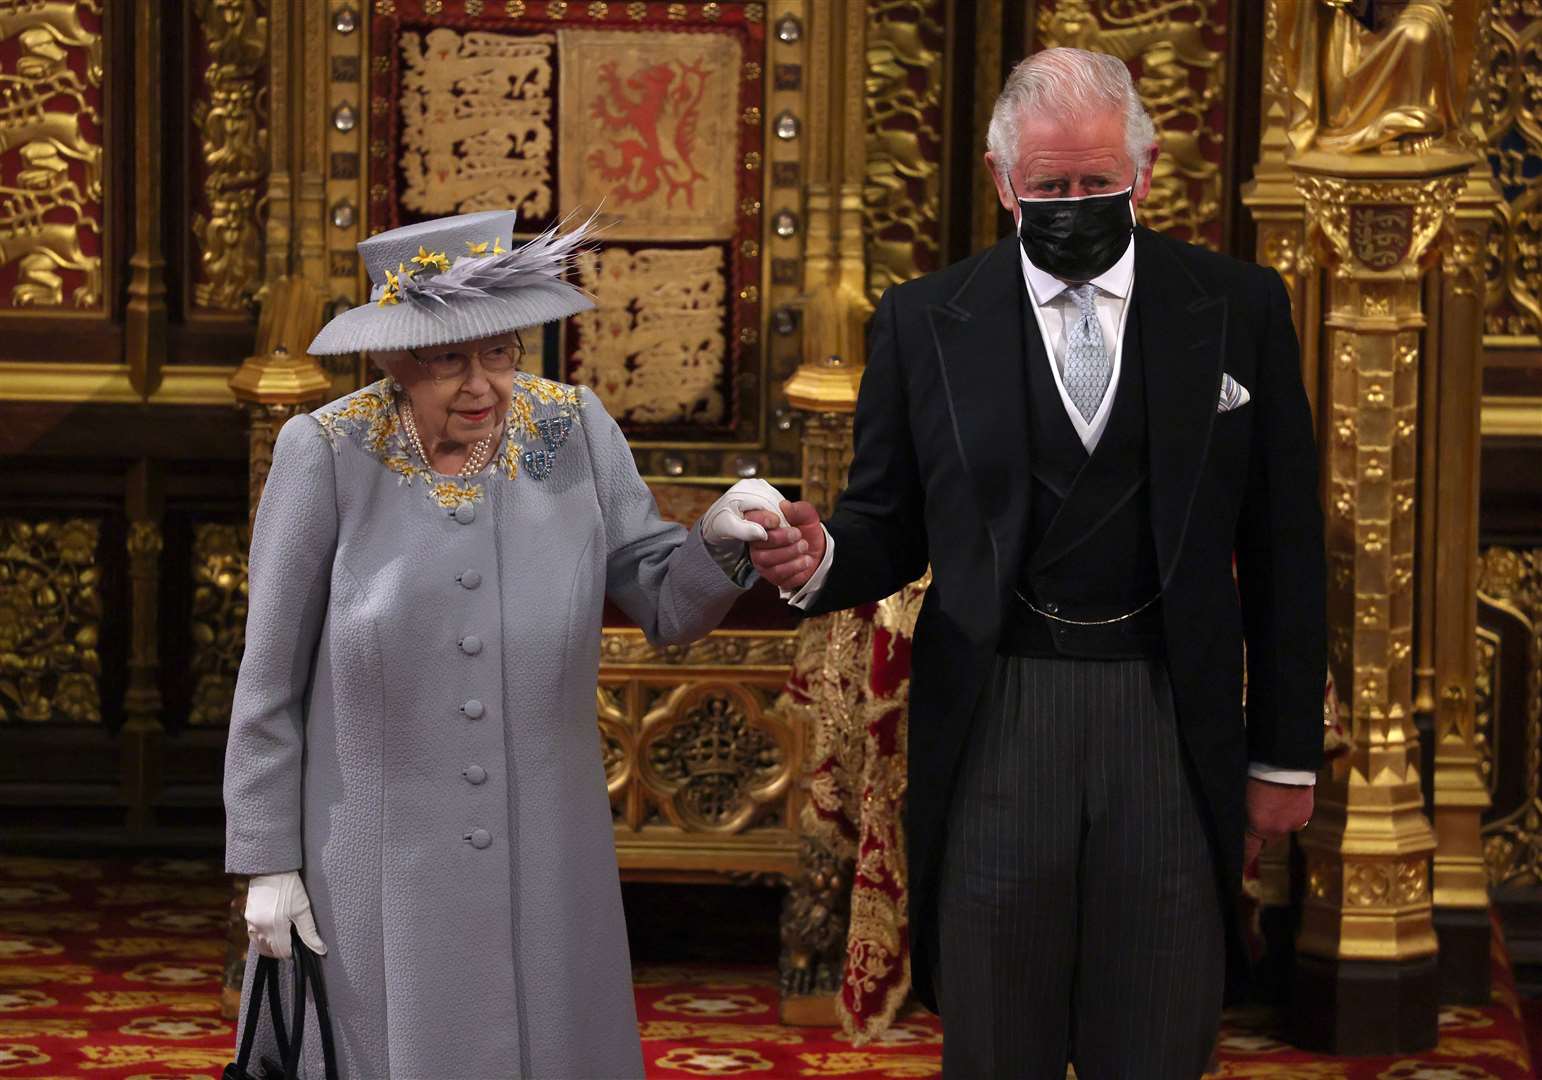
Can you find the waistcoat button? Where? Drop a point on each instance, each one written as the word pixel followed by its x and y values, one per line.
pixel 475 774
pixel 479 838
pixel 469 579
pixel 472 709
pixel 465 513
pixel 470 644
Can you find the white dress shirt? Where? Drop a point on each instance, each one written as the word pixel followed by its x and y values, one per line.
pixel 1053 308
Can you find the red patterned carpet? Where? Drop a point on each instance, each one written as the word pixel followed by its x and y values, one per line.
pixel 112 970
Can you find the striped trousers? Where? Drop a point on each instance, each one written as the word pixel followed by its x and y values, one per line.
pixel 1079 916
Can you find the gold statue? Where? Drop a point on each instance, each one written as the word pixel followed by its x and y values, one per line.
pixel 1372 75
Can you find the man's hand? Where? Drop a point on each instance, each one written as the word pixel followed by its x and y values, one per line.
pixel 1272 811
pixel 788 556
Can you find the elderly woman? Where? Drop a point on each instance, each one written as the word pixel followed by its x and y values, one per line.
pixel 413 772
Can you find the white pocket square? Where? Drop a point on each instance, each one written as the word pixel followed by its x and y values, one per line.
pixel 1233 395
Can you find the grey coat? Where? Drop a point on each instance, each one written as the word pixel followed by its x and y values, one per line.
pixel 414 729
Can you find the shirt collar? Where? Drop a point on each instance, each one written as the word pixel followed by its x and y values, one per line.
pixel 1115 281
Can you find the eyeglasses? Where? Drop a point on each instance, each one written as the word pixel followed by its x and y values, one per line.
pixel 496 359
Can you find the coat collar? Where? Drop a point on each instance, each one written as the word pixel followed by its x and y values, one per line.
pixel 978 333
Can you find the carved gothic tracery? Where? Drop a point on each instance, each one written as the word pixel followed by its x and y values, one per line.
pixel 711 757
pixel 50 620
pixel 1512 845
pixel 219 620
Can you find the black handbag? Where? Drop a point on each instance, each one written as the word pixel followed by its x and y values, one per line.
pixel 307 974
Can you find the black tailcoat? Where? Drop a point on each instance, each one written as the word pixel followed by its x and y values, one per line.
pixel 941 476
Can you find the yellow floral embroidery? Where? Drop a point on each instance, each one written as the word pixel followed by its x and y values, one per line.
pixel 347 413
pixel 498 248
pixel 547 392
pixel 436 259
pixel 369 417
pixel 508 460
pixel 476 249
pixel 522 415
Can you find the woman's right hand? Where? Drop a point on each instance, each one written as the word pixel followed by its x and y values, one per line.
pixel 274 902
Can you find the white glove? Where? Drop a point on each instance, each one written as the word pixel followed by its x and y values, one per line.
pixel 724 525
pixel 273 902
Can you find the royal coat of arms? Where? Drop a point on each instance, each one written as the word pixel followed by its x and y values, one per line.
pixel 1380 234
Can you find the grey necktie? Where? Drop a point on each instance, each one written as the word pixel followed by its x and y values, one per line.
pixel 1087 366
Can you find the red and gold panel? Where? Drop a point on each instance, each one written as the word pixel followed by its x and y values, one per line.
pixel 52 157
pixel 647 112
pixel 902 199
pixel 1177 54
pixel 228 144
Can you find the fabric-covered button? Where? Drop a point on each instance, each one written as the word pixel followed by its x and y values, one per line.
pixel 479 838
pixel 472 709
pixel 465 513
pixel 470 644
pixel 469 579
pixel 475 774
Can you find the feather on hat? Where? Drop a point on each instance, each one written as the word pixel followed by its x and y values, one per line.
pixel 459 279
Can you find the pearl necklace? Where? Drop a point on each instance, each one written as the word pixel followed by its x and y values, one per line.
pixel 476 458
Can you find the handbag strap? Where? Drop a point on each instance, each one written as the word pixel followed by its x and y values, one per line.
pixel 292 1058
pixel 265 978
pixel 323 1013
pixel 307 973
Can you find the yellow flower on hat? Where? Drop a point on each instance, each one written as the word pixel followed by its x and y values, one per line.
pixel 498 248
pixel 476 249
pixel 391 293
pixel 426 258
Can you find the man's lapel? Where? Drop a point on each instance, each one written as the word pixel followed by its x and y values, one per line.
pixel 978 334
pixel 1183 346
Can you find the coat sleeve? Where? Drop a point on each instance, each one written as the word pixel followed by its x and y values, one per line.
pixel 1281 574
pixel 879 524
pixel 289 575
pixel 660 574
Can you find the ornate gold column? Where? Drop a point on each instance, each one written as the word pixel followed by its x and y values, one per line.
pixel 1373 121
pixel 1366 969
pixel 1461 797
pixel 281 378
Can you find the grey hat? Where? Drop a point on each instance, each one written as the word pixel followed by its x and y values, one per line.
pixel 458 279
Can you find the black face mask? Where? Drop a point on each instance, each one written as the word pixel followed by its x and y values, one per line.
pixel 1076 239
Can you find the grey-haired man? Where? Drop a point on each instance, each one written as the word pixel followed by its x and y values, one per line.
pixel 1079 429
